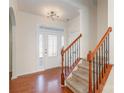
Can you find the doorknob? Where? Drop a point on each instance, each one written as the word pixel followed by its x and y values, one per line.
pixel 45 51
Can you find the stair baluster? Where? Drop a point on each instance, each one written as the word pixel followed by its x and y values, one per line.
pixel 102 62
pixel 94 78
pixel 99 65
pixel 108 49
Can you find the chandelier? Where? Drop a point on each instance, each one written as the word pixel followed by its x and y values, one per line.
pixel 53 15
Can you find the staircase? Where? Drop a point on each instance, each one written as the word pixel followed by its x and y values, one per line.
pixel 78 80
pixel 86 76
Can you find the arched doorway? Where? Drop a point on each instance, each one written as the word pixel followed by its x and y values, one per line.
pixel 12 24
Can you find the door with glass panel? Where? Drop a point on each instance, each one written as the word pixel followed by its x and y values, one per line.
pixel 50 45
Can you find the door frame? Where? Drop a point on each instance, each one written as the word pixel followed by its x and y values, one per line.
pixel 12 17
pixel 37 42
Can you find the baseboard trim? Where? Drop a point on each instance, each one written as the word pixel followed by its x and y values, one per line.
pixel 14 77
pixel 36 72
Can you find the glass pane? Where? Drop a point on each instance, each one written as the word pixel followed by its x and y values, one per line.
pixel 40 45
pixel 52 45
pixel 62 41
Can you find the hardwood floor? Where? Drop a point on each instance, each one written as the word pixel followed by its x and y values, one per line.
pixel 42 82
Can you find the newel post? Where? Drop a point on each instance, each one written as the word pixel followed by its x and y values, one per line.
pixel 62 64
pixel 89 59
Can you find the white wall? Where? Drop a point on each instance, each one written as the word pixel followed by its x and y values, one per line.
pixel 88 27
pixel 26 56
pixel 73 29
pixel 105 18
pixel 84 29
pixel 111 23
pixel 102 18
pixel 93 26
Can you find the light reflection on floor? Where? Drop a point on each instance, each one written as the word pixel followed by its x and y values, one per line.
pixel 40 83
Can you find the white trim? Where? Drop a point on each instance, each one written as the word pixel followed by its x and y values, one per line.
pixel 13 51
pixel 14 77
pixel 52 28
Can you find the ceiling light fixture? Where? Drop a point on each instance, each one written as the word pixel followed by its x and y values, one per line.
pixel 53 15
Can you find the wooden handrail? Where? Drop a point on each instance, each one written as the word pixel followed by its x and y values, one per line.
pixel 72 43
pixel 101 41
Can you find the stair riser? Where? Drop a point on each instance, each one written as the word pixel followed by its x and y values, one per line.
pixel 82 80
pixel 82 67
pixel 85 69
pixel 72 88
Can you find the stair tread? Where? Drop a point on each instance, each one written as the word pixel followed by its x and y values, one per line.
pixel 81 74
pixel 77 85
pixel 83 65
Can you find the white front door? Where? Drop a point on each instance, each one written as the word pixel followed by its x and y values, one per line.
pixel 50 44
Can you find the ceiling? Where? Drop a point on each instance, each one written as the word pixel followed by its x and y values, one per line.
pixel 40 7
